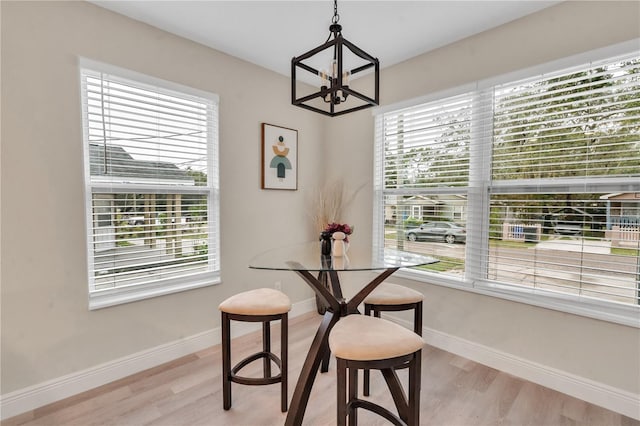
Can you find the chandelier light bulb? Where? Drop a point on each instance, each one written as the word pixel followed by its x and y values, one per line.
pixel 324 80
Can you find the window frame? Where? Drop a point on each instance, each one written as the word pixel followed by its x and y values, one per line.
pixel 98 299
pixel 478 193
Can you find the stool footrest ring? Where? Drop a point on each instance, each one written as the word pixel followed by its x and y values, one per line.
pixel 375 408
pixel 234 377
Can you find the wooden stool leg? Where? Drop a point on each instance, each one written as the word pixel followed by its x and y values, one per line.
pixel 417 319
pixel 326 358
pixel 226 361
pixel 266 348
pixel 342 391
pixel 353 394
pixel 414 389
pixel 284 359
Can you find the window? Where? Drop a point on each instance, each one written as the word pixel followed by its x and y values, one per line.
pixel 416 212
pixel 543 175
pixel 423 159
pixel 151 176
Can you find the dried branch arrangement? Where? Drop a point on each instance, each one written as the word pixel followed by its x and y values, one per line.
pixel 328 204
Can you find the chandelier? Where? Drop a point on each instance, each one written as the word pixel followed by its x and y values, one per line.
pixel 333 66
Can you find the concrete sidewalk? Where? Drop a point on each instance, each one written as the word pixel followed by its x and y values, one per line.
pixel 576 244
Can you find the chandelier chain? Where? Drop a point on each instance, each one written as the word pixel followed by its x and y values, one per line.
pixel 336 17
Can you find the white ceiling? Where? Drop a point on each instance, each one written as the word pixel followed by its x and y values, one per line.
pixel 270 33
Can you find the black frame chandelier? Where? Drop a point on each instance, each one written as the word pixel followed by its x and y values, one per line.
pixel 336 95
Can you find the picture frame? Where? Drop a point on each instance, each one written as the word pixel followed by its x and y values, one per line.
pixel 279 157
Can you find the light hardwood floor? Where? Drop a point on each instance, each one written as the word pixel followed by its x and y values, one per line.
pixel 188 391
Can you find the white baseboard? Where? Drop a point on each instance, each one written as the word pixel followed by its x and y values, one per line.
pixel 35 396
pixel 614 399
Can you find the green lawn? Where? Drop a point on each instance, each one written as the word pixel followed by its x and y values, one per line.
pixel 625 251
pixel 445 264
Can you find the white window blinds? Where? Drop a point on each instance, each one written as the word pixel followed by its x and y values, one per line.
pixel 423 178
pixel 577 123
pixel 152 183
pixel 428 146
pixel 565 182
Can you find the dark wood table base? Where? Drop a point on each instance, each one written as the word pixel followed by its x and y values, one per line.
pixel 319 352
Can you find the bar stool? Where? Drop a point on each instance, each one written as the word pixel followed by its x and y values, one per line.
pixel 365 342
pixel 393 297
pixel 262 305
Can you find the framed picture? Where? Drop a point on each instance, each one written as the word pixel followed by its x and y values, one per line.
pixel 279 157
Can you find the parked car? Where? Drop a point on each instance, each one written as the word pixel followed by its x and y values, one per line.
pixel 159 220
pixel 135 220
pixel 570 221
pixel 448 232
pixel 567 228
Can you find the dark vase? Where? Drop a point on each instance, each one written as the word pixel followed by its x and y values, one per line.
pixel 325 243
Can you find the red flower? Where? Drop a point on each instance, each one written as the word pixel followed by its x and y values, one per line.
pixel 339 227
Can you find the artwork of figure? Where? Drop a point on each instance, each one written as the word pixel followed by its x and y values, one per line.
pixel 280 162
pixel 279 149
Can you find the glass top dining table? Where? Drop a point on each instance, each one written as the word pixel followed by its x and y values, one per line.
pixel 322 274
pixel 306 256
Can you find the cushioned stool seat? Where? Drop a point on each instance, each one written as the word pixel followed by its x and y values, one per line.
pixel 393 294
pixel 263 301
pixel 364 342
pixel 393 297
pixel 262 305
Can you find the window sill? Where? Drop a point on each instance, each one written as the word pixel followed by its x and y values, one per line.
pixel 105 298
pixel 611 312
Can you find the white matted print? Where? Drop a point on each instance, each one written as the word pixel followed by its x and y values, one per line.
pixel 279 157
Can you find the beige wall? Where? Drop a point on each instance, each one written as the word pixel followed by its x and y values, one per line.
pixel 596 350
pixel 47 331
